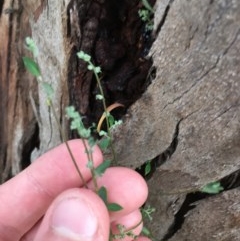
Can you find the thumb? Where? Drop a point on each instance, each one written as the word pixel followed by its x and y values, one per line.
pixel 75 215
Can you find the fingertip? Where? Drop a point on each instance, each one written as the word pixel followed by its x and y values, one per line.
pixel 125 187
pixel 131 223
pixel 77 214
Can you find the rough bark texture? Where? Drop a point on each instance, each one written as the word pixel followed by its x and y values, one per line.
pixel 17 120
pixel 195 96
pixel 197 58
pixel 48 21
pixel 215 218
pixel 27 125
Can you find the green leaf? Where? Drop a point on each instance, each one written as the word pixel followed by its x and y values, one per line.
pixel 114 207
pixel 111 119
pixel 90 67
pixel 116 124
pixel 48 89
pixel 102 167
pixel 212 188
pixel 102 193
pixel 31 46
pixel 102 133
pixel 104 143
pixel 146 231
pixel 97 70
pixel 147 5
pixel 147 168
pixel 85 57
pixel 31 66
pixel 99 97
pixel 70 111
pixel 91 140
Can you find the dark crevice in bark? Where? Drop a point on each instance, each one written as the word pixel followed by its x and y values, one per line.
pixel 162 158
pixel 187 205
pixel 29 145
pixel 7 163
pixel 118 41
pixel 229 182
pixel 161 23
pixel 1 7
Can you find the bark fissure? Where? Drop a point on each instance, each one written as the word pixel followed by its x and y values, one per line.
pixel 161 158
pixel 196 82
pixel 118 42
pixel 164 17
pixel 179 217
pixel 193 199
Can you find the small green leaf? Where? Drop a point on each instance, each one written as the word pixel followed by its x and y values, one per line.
pixel 212 188
pixel 31 46
pixel 89 163
pixel 99 97
pixel 147 168
pixel 102 133
pixel 91 140
pixel 146 231
pixel 144 15
pixel 114 207
pixel 104 143
pixel 111 119
pixel 116 124
pixel 85 57
pixel 97 70
pixel 31 66
pixel 147 5
pixel 70 111
pixel 102 193
pixel 102 167
pixel 48 89
pixel 90 67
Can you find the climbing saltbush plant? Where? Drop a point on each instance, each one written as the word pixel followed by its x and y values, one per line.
pixel 76 124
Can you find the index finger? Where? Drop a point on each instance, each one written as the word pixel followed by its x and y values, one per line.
pixel 25 198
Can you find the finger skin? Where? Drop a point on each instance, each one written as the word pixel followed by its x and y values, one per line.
pixel 142 239
pixel 26 197
pixel 98 208
pixel 29 236
pixel 119 182
pixel 124 187
pixel 131 222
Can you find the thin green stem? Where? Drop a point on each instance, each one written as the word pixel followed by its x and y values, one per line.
pixel 64 138
pixel 90 160
pixel 107 121
pixel 128 232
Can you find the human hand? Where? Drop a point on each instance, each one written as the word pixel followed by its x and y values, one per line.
pixel 44 202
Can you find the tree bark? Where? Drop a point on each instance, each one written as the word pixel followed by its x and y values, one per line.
pixel 17 123
pixel 187 121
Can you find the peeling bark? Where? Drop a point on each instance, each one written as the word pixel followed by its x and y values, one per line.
pixel 17 124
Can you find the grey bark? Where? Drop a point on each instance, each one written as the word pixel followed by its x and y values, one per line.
pixel 196 54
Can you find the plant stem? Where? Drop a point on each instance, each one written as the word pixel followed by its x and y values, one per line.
pixel 90 160
pixel 64 138
pixel 106 113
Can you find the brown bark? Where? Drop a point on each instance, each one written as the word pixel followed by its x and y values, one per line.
pixel 26 122
pixel 17 119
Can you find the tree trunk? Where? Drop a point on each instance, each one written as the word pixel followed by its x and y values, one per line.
pixel 187 122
